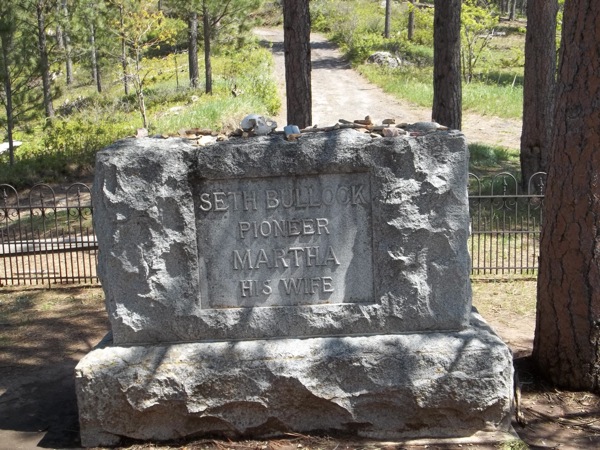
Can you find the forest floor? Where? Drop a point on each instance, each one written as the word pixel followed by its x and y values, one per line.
pixel 44 333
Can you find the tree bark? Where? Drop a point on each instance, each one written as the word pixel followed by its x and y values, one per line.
pixel 124 63
pixel 567 337
pixel 193 50
pixel 388 18
pixel 66 41
pixel 447 87
pixel 94 59
pixel 43 55
pixel 6 43
pixel 296 44
pixel 207 62
pixel 539 86
pixel 411 20
pixel 512 10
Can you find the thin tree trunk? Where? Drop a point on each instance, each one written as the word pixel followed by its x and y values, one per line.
pixel 139 89
pixel 296 44
pixel 567 337
pixel 43 55
pixel 6 42
pixel 411 20
pixel 447 81
pixel 98 74
pixel 66 40
pixel 193 50
pixel 539 85
pixel 60 42
pixel 207 63
pixel 123 51
pixel 94 59
pixel 513 10
pixel 388 18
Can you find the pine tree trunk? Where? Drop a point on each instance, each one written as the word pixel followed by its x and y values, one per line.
pixel 539 86
pixel 94 59
pixel 512 9
pixel 207 63
pixel 411 20
pixel 447 87
pixel 388 18
pixel 43 55
pixel 193 50
pixel 6 43
pixel 123 52
pixel 296 44
pixel 567 337
pixel 66 40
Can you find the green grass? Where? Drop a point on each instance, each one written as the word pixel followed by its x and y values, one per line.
pixel 505 298
pixel 412 84
pixel 499 100
pixel 488 160
pixel 497 87
pixel 63 149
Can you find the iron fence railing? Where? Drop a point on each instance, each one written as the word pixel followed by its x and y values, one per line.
pixel 48 239
pixel 505 225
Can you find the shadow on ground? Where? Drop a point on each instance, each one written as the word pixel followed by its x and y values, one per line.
pixel 43 334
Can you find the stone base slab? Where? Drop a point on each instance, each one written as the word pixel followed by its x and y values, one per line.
pixel 403 386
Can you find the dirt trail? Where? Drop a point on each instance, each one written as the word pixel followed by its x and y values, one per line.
pixel 341 93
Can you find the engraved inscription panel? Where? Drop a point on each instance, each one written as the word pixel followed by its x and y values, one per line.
pixel 284 241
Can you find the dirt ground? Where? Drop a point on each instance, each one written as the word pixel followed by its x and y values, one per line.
pixel 43 333
pixel 338 92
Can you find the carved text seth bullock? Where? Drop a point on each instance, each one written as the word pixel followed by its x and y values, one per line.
pixel 294 256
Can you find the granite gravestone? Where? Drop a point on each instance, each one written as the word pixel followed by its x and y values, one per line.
pixel 259 286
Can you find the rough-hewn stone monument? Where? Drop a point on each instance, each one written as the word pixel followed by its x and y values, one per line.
pixel 259 286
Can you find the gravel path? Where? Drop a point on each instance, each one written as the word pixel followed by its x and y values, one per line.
pixel 341 93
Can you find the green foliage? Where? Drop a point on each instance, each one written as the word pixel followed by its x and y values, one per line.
pixel 250 71
pixel 423 34
pixel 18 68
pixel 481 155
pixel 493 63
pixel 65 148
pixel 477 27
pixel 270 14
pixel 516 444
pixel 364 45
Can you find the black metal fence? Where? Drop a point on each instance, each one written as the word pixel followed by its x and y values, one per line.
pixel 48 238
pixel 505 225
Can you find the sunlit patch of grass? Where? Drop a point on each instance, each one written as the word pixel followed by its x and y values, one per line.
pixel 64 149
pixel 516 297
pixel 499 100
pixel 412 84
pixel 486 160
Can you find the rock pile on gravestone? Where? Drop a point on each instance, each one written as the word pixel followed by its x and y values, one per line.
pixel 263 286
